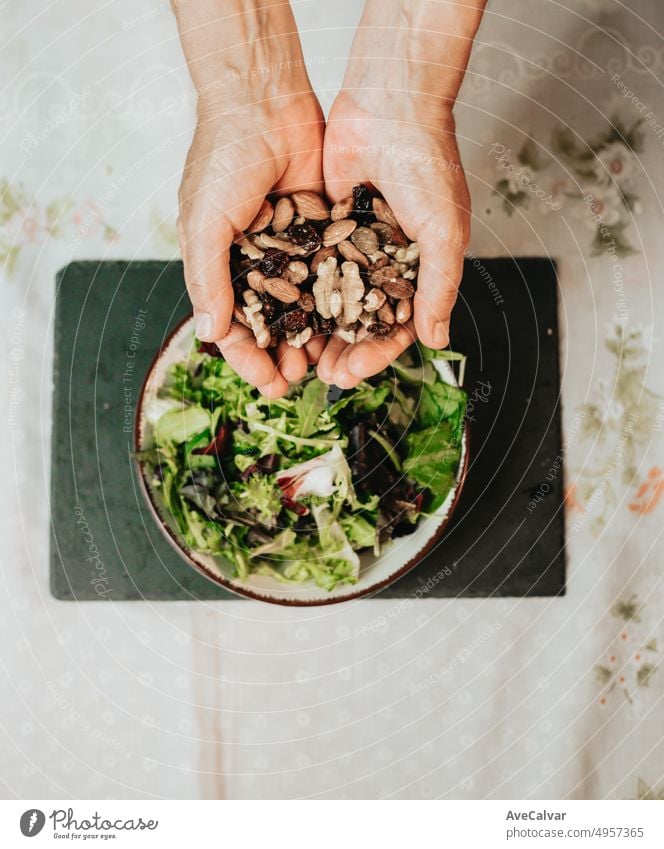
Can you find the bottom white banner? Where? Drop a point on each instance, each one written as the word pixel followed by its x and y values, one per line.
pixel 329 825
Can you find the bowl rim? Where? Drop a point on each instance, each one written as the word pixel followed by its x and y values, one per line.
pixel 246 592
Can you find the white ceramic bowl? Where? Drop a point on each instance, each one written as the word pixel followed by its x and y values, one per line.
pixel 398 557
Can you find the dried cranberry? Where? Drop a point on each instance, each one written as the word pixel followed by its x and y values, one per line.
pixel 210 349
pixel 274 262
pixel 304 236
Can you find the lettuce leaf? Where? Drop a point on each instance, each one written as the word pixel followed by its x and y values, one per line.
pixel 433 458
pixel 181 425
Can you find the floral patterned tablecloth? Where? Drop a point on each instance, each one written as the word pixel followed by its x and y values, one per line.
pixel 561 126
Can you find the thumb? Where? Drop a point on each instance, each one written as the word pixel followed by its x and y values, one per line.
pixel 442 249
pixel 205 248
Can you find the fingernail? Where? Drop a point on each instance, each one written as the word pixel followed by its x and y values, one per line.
pixel 440 335
pixel 204 326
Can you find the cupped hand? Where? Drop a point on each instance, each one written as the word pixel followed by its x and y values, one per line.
pixel 413 161
pixel 239 155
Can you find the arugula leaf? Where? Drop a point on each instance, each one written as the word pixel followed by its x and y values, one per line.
pixel 311 405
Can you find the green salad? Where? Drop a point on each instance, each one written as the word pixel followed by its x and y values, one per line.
pixel 295 488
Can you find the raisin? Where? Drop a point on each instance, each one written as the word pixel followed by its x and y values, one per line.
pixel 239 286
pixel 363 211
pixel 274 262
pixel 326 325
pixel 293 322
pixel 271 309
pixel 380 330
pixel 304 236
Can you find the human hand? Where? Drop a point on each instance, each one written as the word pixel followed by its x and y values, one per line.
pixel 392 127
pixel 416 167
pixel 256 133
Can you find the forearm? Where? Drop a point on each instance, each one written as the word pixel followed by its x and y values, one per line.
pixel 236 46
pixel 418 48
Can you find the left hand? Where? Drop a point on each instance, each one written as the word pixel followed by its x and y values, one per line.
pixel 414 163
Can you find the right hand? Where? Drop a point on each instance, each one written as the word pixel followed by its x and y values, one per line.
pixel 238 155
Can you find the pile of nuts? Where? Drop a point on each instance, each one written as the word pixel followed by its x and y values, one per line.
pixel 303 268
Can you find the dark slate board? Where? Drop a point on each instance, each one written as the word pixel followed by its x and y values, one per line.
pixel 112 317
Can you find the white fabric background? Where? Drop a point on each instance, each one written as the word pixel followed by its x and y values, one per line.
pixel 368 699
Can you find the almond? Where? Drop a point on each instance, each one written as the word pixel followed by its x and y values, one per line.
pixel 389 235
pixel 398 288
pixel 384 213
pixel 342 209
pixel 281 289
pixel 404 310
pixel 386 314
pixel 256 279
pixel 338 231
pixel 283 215
pixel 352 254
pixel 374 300
pixel 263 218
pixel 310 205
pixel 320 256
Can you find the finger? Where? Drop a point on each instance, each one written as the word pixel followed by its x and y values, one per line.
pixel 292 362
pixel 329 357
pixel 342 377
pixel 439 276
pixel 253 364
pixel 315 348
pixel 277 388
pixel 370 355
pixel 205 253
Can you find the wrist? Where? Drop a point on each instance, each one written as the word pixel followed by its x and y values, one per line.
pixel 241 52
pixel 414 49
